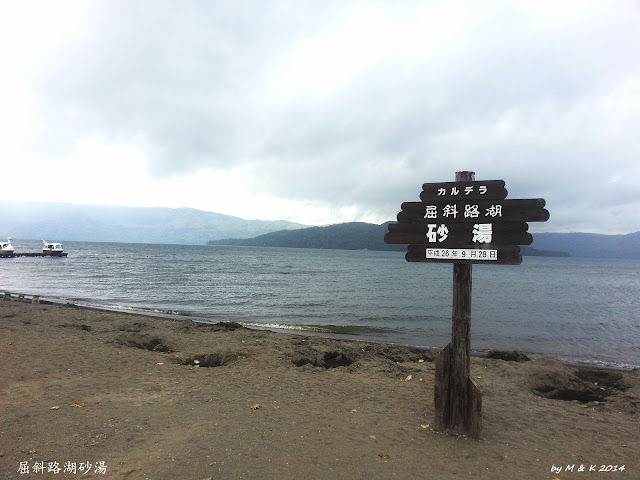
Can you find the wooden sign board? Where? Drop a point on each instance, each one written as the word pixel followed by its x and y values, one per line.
pixel 456 227
pixel 488 190
pixel 483 211
pixel 465 254
pixel 463 222
pixel 445 235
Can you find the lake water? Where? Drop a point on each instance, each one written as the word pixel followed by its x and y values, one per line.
pixel 580 310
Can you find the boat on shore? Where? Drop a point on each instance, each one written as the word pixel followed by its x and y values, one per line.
pixel 52 248
pixel 6 247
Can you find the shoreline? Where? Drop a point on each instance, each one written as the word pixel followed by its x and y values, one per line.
pixel 168 399
pixel 481 353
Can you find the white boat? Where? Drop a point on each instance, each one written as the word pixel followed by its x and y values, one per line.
pixel 6 247
pixel 52 248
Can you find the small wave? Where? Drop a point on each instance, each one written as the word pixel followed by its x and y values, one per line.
pixel 598 363
pixel 297 306
pixel 334 329
pixel 140 310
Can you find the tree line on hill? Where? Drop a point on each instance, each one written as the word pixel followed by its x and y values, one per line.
pixel 345 236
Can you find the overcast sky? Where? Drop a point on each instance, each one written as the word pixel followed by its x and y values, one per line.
pixel 322 111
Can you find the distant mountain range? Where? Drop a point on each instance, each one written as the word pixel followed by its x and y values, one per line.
pixel 64 222
pixel 356 236
pixel 345 236
pixel 591 245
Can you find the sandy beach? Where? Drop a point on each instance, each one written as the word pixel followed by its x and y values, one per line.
pixel 123 396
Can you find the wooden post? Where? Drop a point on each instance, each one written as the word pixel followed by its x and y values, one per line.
pixel 457 398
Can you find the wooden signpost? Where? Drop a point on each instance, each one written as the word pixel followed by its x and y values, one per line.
pixel 463 222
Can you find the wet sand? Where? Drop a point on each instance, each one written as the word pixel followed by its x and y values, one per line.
pixel 165 399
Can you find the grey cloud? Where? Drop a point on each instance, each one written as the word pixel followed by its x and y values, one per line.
pixel 512 99
pixel 184 76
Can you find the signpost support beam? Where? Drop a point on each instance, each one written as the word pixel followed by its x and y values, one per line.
pixel 458 400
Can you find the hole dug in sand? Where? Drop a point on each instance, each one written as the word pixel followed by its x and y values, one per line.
pixel 508 355
pixel 332 359
pixel 220 326
pixel 585 385
pixel 146 342
pixel 335 359
pixel 209 359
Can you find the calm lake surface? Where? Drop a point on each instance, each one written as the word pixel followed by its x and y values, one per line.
pixel 580 310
